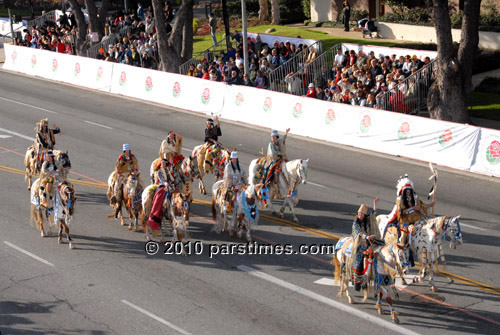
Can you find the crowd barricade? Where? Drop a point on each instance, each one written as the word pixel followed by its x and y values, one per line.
pixel 449 144
pixel 389 51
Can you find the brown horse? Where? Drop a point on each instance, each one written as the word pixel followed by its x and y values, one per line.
pixel 41 207
pixel 61 160
pixel 211 159
pixel 128 195
pixel 64 210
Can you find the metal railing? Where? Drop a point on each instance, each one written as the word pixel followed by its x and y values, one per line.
pixel 208 54
pixel 316 71
pixel 93 51
pixel 50 16
pixel 295 64
pixel 410 95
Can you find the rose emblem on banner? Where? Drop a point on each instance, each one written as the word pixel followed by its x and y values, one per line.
pixel 149 84
pixel 3 26
pixel 100 72
pixel 33 61
pixel 123 78
pixel 268 104
pixel 77 69
pixel 54 65
pixel 404 130
pixel 365 124
pixel 446 137
pixel 239 99
pixel 205 96
pixel 493 153
pixel 14 56
pixel 176 91
pixel 297 110
pixel 330 116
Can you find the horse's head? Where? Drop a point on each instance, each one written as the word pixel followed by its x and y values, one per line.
pixel 62 159
pixel 181 204
pixel 263 194
pixel 302 170
pixel 132 183
pixel 67 192
pixel 452 230
pixel 401 256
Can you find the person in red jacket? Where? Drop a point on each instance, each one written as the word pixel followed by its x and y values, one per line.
pixel 311 93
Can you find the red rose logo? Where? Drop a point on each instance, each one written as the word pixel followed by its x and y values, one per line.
pixel 268 104
pixel 33 61
pixel 239 99
pixel 149 84
pixel 14 56
pixel 205 97
pixel 176 91
pixel 123 78
pixel 3 26
pixel 100 72
pixel 493 153
pixel 77 69
pixel 366 123
pixel 446 137
pixel 330 116
pixel 54 65
pixel 404 130
pixel 297 110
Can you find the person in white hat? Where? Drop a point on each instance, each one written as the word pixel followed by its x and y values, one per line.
pixel 275 154
pixel 234 178
pixel 125 165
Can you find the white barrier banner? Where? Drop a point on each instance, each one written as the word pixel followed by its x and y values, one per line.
pixel 270 39
pixel 5 27
pixel 387 51
pixel 487 160
pixel 167 88
pixel 25 60
pixel 86 72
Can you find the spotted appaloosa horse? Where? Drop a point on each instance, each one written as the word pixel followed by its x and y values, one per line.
pixel 293 173
pixel 61 160
pixel 64 209
pixel 42 207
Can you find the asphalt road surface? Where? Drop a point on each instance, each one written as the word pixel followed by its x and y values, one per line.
pixel 108 284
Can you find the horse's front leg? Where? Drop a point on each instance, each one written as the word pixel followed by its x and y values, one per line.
pixel 68 236
pixel 394 315
pixel 59 234
pixel 202 186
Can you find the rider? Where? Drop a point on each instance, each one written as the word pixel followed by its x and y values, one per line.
pixel 364 233
pixel 275 155
pixel 44 138
pixel 212 131
pixel 49 172
pixel 171 145
pixel 125 165
pixel 234 177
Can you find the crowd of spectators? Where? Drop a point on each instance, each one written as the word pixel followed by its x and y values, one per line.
pixel 228 66
pixel 363 79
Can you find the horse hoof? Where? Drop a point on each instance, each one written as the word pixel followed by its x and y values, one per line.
pixel 282 215
pixel 42 234
pixel 49 233
pixel 71 245
pixel 395 320
pixel 123 223
pixel 129 227
pixel 351 301
pixel 59 241
pixel 296 220
pixel 434 289
pixel 136 229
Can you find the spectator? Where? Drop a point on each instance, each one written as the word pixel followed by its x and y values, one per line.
pixel 339 58
pixel 346 14
pixel 247 81
pixel 370 101
pixel 261 80
pixel 311 92
pixel 205 75
pixel 235 79
pixel 358 99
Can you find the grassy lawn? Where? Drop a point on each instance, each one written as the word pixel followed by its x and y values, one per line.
pixel 485 105
pixel 25 13
pixel 201 43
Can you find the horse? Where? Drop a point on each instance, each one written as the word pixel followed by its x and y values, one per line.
pixel 293 173
pixel 211 159
pixel 128 195
pixel 61 160
pixel 425 241
pixel 64 209
pixel 175 210
pixel 376 266
pixel 41 207
pixel 244 209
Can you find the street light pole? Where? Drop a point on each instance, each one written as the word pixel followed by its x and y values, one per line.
pixel 245 41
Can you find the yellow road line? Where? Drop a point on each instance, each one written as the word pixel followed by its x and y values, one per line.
pixel 317 232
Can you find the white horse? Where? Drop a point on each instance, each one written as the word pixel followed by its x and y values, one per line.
pixel 293 173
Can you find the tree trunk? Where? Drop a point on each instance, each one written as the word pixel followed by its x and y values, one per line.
pixel 93 20
pixel 81 44
pixel 170 47
pixel 447 98
pixel 187 34
pixel 275 9
pixel 103 13
pixel 263 10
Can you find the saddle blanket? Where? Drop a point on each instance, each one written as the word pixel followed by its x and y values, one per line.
pixel 341 243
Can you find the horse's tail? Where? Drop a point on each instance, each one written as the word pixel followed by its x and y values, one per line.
pixel 214 212
pixel 27 162
pixel 338 267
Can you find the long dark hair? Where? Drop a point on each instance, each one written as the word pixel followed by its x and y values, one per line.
pixel 408 201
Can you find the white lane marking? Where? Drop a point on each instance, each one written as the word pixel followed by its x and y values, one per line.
pixel 310 182
pixel 5 136
pixel 98 124
pixel 28 105
pixel 27 253
pixel 469 226
pixel 188 150
pixel 156 317
pixel 17 134
pixel 399 282
pixel 325 300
